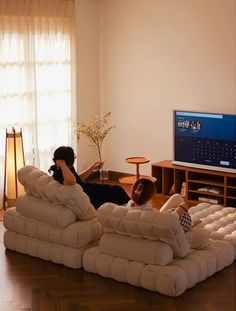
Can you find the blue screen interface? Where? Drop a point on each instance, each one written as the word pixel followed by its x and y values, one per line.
pixel 205 138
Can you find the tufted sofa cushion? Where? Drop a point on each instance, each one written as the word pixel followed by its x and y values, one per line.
pixel 56 215
pixel 39 184
pixel 152 225
pixel 76 235
pixel 217 220
pixel 141 250
pixel 171 279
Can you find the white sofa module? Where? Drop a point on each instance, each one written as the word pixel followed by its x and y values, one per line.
pixel 219 221
pixel 51 221
pixel 146 249
pixel 151 250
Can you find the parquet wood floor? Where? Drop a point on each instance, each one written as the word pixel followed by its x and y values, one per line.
pixel 28 283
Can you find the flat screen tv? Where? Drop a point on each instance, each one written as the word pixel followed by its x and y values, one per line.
pixel 205 140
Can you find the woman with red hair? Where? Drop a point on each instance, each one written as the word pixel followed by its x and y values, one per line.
pixel 144 189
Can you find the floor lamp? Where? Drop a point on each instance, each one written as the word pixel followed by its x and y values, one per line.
pixel 14 160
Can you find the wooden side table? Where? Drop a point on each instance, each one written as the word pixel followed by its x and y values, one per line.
pixel 137 161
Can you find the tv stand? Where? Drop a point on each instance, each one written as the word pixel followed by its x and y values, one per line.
pixel 201 185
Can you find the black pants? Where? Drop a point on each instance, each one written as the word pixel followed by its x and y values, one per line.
pixel 102 193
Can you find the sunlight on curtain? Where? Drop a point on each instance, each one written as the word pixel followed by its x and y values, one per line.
pixel 37 77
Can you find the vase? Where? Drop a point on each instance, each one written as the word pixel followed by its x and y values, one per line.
pixel 103 173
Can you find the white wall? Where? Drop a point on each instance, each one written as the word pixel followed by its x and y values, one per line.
pixel 156 56
pixel 88 71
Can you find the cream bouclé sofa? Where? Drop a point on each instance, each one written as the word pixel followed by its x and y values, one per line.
pixel 147 249
pixel 51 221
pixel 217 220
pixel 151 250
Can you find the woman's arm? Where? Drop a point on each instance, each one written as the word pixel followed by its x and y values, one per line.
pixel 68 176
pixel 94 167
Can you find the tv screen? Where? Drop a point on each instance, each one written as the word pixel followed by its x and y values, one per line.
pixel 205 140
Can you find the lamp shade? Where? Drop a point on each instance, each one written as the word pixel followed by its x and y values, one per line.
pixel 14 160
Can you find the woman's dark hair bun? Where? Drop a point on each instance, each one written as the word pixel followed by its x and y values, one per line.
pixel 64 153
pixel 142 191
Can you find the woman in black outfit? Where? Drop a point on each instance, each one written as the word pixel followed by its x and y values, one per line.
pixel 63 171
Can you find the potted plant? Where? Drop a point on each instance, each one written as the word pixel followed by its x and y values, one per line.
pixel 96 131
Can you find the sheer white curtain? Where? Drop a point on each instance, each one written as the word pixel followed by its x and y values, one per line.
pixel 37 78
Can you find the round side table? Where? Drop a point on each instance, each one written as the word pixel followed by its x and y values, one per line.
pixel 137 161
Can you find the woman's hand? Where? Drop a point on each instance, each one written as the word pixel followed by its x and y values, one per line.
pixel 96 166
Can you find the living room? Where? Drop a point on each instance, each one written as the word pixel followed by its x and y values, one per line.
pixel 144 59
pixel 139 60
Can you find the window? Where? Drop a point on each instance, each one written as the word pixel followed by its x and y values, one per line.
pixel 37 77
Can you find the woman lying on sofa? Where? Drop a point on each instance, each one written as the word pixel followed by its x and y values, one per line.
pixel 63 171
pixel 143 190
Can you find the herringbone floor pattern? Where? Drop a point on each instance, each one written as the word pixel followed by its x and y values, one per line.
pixel 28 283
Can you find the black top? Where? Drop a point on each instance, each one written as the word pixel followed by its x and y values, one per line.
pixel 98 193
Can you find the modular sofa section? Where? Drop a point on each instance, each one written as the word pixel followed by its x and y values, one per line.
pixel 172 279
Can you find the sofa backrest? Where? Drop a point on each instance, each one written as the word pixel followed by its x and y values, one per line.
pixel 41 185
pixel 151 225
